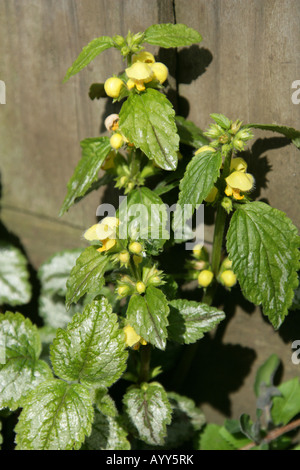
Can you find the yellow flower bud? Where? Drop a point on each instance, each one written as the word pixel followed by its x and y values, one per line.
pixel 116 141
pixel 137 259
pixel 212 195
pixel 123 291
pixel 228 278
pixel 140 287
pixel 197 250
pixel 135 247
pixel 227 263
pixel 160 71
pixel 124 257
pixel 113 86
pixel 111 122
pixel 205 278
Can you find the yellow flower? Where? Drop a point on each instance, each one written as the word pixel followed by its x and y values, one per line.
pixel 140 287
pixel 205 278
pixel 238 164
pixel 104 232
pixel 238 181
pixel 160 71
pixel 145 57
pixel 139 73
pixel 197 250
pixel 132 339
pixel 116 141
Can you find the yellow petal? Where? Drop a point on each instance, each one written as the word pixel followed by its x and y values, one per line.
pixel 131 337
pixel 139 71
pixel 107 245
pixel 240 180
pixel 145 57
pixel 238 164
pixel 91 233
pixel 205 148
pixel 212 195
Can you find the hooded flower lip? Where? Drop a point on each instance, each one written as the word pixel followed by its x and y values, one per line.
pixel 139 73
pixel 238 164
pixel 132 339
pixel 238 181
pixel 104 232
pixel 145 57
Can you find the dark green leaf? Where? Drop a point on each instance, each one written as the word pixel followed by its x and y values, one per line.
pixel 56 416
pixel 289 132
pixel 190 134
pixel 87 276
pixel 148 315
pixel 107 434
pixel 94 152
pixel 189 320
pixel 149 410
pixel 263 245
pixel 171 35
pixel 92 349
pixel 148 121
pixel 89 53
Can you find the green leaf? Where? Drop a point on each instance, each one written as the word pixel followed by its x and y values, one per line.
pixel 107 434
pixel 87 276
pixel 148 121
pixel 94 152
pixel 148 315
pixel 189 320
pixel 149 411
pixel 15 288
pixel 52 309
pixel 92 349
pixel 190 134
pixel 289 132
pixel 56 416
pixel 287 406
pixel 187 419
pixel 89 53
pixel 200 175
pixel 263 245
pixel 265 373
pixel 143 215
pixel 20 367
pixel 221 120
pixel 53 273
pixel 211 439
pixel 171 35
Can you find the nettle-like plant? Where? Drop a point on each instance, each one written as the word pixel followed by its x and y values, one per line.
pixel 124 308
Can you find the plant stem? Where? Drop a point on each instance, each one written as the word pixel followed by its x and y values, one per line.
pixel 145 363
pixel 275 433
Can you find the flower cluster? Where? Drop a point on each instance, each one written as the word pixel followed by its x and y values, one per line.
pixel 239 181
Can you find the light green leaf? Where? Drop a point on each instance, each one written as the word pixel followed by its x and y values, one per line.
pixel 189 320
pixel 94 152
pixel 148 315
pixel 89 53
pixel 92 349
pixel 52 309
pixel 105 404
pixel 107 434
pixel 263 245
pixel 287 406
pixel 148 121
pixel 87 276
pixel 211 439
pixel 265 373
pixel 56 416
pixel 53 273
pixel 20 367
pixel 221 120
pixel 171 35
pixel 15 288
pixel 289 132
pixel 190 134
pixel 149 411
